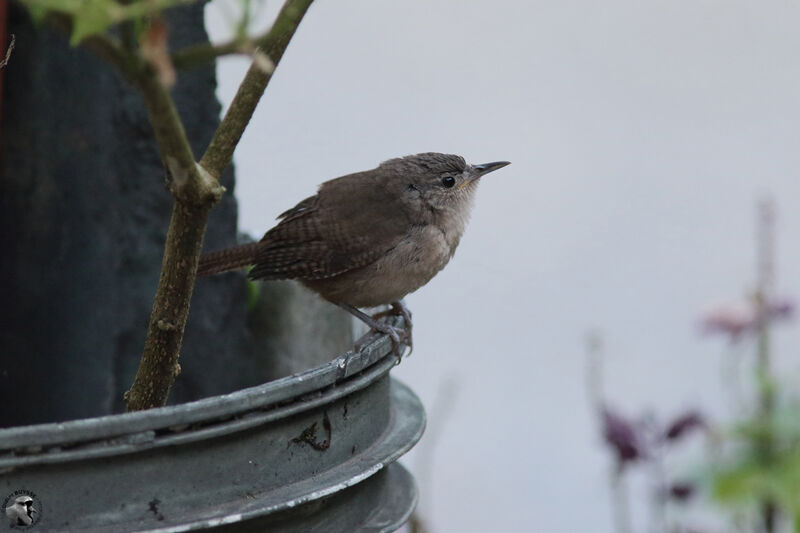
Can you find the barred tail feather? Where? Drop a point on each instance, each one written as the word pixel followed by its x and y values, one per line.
pixel 228 259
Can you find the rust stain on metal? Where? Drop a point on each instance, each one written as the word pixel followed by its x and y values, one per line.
pixel 309 435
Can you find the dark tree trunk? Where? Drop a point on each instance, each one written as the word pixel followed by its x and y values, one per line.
pixel 83 212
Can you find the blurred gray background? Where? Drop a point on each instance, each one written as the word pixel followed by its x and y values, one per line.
pixel 642 134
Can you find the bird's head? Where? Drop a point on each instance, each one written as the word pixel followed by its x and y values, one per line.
pixel 442 181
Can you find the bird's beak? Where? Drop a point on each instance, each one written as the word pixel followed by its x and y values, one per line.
pixel 489 167
pixel 480 170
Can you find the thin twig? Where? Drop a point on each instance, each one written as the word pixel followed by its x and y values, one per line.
pixel 220 150
pixel 764 295
pixel 199 55
pixel 620 501
pixel 10 48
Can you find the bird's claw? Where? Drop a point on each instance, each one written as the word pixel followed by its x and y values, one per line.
pixel 397 335
pixel 405 312
pixel 398 308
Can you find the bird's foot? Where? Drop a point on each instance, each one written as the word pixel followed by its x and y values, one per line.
pixel 400 336
pixel 400 309
pixel 400 339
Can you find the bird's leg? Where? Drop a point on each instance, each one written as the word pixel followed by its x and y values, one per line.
pixel 393 332
pixel 399 308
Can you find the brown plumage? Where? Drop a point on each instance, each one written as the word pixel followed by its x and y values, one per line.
pixel 323 236
pixel 227 259
pixel 368 238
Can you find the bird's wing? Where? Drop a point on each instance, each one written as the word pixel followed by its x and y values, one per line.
pixel 349 224
pixel 299 210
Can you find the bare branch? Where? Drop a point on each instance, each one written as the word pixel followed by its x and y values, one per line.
pixel 159 365
pixel 196 189
pixel 200 55
pixel 195 193
pixel 10 48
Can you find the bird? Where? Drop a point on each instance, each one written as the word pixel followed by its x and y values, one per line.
pixel 369 238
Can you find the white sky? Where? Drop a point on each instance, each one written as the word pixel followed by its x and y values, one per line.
pixel 641 133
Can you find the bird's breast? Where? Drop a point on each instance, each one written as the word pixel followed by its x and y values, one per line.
pixel 410 264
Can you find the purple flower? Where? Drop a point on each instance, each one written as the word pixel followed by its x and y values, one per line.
pixel 621 435
pixel 681 491
pixel 685 423
pixel 736 318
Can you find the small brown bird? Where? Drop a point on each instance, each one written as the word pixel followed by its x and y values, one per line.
pixel 369 238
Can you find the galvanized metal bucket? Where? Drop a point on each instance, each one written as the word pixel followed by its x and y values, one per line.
pixel 314 451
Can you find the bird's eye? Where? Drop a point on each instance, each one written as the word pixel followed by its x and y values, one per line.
pixel 448 181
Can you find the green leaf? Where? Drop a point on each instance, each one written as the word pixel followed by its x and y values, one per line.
pixel 741 484
pixel 37 12
pixel 93 17
pixel 253 291
pixel 755 479
pixel 90 17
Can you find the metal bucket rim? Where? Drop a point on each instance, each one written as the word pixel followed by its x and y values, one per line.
pixel 282 390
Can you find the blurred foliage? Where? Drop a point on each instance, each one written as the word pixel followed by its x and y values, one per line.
pixel 246 17
pixel 92 17
pixel 755 470
pixel 765 464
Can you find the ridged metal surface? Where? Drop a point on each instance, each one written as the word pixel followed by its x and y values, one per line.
pixel 290 455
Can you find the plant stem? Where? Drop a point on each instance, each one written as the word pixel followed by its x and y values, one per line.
pixel 195 193
pixel 200 54
pixel 220 150
pixel 766 443
pixel 619 492
pixel 196 190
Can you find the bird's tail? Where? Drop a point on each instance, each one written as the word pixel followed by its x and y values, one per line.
pixel 228 259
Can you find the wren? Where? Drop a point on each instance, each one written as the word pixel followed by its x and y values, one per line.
pixel 369 238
